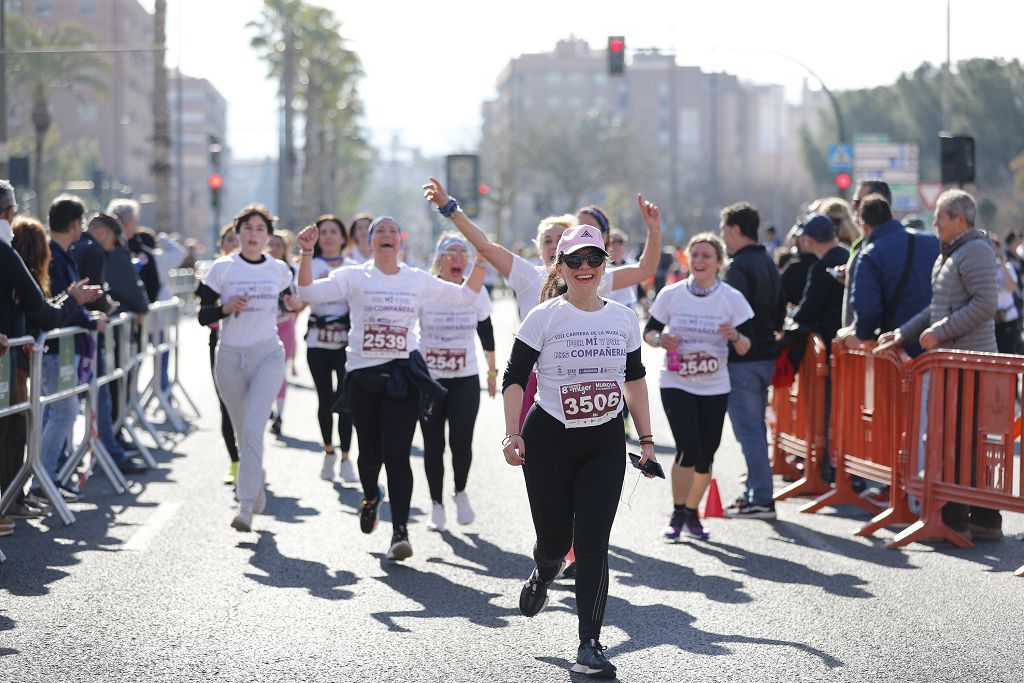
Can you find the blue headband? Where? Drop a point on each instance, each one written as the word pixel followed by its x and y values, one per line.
pixel 599 215
pixel 451 240
pixel 376 221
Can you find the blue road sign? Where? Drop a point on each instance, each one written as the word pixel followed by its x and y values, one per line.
pixel 840 158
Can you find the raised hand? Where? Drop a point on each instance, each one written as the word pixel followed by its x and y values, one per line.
pixel 650 213
pixel 434 192
pixel 308 236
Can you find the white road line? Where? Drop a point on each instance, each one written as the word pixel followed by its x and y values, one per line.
pixel 140 540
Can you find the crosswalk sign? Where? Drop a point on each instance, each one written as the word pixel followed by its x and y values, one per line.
pixel 840 158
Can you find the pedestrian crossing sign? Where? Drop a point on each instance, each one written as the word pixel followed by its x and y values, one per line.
pixel 840 158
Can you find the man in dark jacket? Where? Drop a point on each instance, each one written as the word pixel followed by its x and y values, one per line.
pixel 891 284
pixel 821 306
pixel 753 272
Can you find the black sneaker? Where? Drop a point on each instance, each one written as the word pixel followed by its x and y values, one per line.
pixel 23 511
pixel 752 511
pixel 275 426
pixel 534 595
pixel 132 466
pixel 400 549
pixel 590 660
pixel 368 512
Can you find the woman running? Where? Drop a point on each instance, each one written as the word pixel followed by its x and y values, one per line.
pixel 244 290
pixel 447 337
pixel 325 349
pixel 704 315
pixel 388 386
pixel 209 316
pixel 280 248
pixel 572 445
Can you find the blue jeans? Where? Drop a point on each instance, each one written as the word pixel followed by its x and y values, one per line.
pixel 58 417
pixel 105 415
pixel 748 401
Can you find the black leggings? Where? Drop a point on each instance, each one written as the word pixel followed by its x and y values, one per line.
pixel 325 365
pixel 226 430
pixel 574 479
pixel 385 426
pixel 459 407
pixel 696 423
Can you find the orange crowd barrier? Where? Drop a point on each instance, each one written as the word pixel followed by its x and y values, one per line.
pixel 870 399
pixel 800 424
pixel 961 439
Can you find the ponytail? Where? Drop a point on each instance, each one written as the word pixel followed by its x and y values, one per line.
pixel 553 286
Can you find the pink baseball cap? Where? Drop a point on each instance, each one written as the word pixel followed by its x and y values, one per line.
pixel 581 236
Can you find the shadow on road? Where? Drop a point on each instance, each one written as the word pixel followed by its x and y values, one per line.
pixel 6 624
pixel 779 570
pixel 350 497
pixel 282 571
pixel 871 550
pixel 439 597
pixel 287 509
pixel 300 444
pixel 650 626
pixel 487 558
pixel 642 570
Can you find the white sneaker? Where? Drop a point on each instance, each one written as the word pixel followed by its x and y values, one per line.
pixel 348 471
pixel 437 518
pixel 327 471
pixel 243 520
pixel 260 504
pixel 464 513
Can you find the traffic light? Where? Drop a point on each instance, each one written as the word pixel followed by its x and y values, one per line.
pixel 215 182
pixel 214 148
pixel 616 55
pixel 843 181
pixel 957 153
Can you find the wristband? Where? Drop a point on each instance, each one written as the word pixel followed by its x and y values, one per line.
pixel 307 253
pixel 508 439
pixel 492 373
pixel 645 436
pixel 449 209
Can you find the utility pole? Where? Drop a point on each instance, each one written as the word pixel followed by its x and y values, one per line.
pixel 947 80
pixel 5 153
pixel 161 122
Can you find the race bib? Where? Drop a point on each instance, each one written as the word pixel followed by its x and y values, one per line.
pixel 698 366
pixel 589 403
pixel 446 360
pixel 384 341
pixel 336 335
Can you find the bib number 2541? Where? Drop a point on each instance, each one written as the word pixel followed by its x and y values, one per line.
pixel 384 341
pixel 589 403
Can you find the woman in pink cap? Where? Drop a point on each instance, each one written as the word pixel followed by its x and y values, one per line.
pixel 572 445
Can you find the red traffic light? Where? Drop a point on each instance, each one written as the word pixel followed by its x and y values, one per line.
pixel 484 188
pixel 843 180
pixel 616 44
pixel 215 181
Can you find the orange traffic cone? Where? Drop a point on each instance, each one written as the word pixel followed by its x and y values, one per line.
pixel 713 502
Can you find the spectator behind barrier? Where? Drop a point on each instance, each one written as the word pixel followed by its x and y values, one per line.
pixel 1008 326
pixel 865 188
pixel 821 305
pixel 961 316
pixel 890 283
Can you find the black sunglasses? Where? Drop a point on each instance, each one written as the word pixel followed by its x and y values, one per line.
pixel 575 261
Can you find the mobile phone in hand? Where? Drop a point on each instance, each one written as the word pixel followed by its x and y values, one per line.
pixel 651 466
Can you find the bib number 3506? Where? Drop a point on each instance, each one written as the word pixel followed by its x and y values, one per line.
pixel 589 403
pixel 384 341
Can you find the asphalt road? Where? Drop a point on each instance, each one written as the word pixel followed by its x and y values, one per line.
pixel 155 586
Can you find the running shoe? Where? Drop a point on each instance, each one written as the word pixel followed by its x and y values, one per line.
pixel 752 511
pixel 590 660
pixel 464 511
pixel 675 525
pixel 534 595
pixel 243 520
pixel 368 512
pixel 327 471
pixel 275 426
pixel 69 492
pixel 231 478
pixel 736 505
pixel 347 471
pixel 400 548
pixel 23 511
pixel 437 518
pixel 691 522
pixel 36 502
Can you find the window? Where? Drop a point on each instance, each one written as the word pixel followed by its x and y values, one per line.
pixel 87 8
pixel 553 78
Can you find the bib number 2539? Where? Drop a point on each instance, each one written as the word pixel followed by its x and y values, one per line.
pixel 589 403
pixel 384 341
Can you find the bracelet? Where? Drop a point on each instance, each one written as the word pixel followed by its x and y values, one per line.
pixel 492 373
pixel 479 264
pixel 508 439
pixel 449 209
pixel 645 436
pixel 307 253
pixel 646 443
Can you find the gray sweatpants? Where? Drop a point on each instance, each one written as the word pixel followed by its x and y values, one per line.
pixel 248 379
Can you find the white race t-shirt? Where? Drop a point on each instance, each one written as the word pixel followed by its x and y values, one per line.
pixel 448 336
pixel 526 280
pixel 384 309
pixel 625 295
pixel 335 335
pixel 232 276
pixel 582 365
pixel 703 352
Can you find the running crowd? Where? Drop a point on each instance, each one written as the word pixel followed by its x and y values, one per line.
pixel 390 346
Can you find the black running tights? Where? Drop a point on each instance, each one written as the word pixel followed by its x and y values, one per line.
pixel 574 479
pixel 459 408
pixel 696 423
pixel 385 426
pixel 326 365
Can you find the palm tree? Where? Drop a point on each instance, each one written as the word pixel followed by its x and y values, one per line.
pixel 40 72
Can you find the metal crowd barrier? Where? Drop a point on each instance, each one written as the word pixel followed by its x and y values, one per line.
pixel 123 362
pixel 182 282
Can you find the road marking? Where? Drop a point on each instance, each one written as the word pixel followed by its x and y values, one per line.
pixel 140 540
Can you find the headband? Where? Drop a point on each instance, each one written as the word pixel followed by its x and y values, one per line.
pixel 449 241
pixel 375 222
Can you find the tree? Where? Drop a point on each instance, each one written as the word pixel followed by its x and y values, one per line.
pixel 161 121
pixel 40 72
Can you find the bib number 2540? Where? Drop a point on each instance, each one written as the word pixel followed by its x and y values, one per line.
pixel 589 403
pixel 384 341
